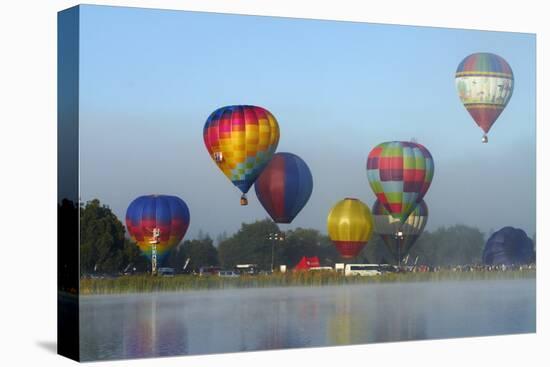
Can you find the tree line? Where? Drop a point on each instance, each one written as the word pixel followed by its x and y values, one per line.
pixel 105 248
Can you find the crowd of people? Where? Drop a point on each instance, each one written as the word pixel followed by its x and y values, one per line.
pixel 470 268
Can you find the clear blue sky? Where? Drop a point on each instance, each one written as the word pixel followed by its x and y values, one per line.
pixel 150 78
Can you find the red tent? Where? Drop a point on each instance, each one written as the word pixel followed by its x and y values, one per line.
pixel 307 263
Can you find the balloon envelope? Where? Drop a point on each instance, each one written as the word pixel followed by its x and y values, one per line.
pixel 284 187
pixel 350 226
pixel 508 246
pixel 485 83
pixel 387 227
pixel 241 140
pixel 168 213
pixel 400 174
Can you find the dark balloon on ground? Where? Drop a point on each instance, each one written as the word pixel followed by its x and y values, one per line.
pixel 508 246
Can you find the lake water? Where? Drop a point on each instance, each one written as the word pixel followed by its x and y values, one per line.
pixel 199 322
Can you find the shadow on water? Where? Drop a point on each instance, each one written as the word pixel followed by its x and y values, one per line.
pixel 48 345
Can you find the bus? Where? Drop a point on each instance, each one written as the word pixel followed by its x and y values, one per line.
pixel 362 269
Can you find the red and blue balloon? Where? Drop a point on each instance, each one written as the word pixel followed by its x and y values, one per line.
pixel 284 187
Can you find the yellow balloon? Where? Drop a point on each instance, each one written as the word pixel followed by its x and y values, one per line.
pixel 350 226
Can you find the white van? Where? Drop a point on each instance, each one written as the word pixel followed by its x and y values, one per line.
pixel 362 269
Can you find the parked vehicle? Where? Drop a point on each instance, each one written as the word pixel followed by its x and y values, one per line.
pixel 228 274
pixel 250 269
pixel 339 267
pixel 387 268
pixel 209 270
pixel 362 269
pixel 166 272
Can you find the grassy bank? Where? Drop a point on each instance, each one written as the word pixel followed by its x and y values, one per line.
pixel 145 283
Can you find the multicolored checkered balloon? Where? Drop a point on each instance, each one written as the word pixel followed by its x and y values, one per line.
pixel 241 140
pixel 400 174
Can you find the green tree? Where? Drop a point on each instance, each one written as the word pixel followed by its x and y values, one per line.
pixel 103 247
pixel 200 252
pixel 455 245
pixel 133 258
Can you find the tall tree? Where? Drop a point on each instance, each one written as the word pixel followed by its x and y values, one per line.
pixel 102 239
pixel 133 259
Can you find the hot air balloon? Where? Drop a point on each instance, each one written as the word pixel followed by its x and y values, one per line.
pixel 284 187
pixel 485 83
pixel 508 246
pixel 241 140
pixel 350 226
pixel 400 174
pixel 157 223
pixel 399 237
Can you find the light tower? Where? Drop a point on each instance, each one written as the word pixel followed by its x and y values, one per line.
pixel 155 240
pixel 274 237
pixel 399 237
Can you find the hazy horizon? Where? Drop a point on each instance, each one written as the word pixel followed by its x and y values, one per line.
pixel 150 78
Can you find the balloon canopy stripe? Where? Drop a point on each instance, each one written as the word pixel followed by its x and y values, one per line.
pixel 477 73
pixel 349 249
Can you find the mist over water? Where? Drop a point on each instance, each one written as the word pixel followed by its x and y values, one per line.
pixel 201 322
